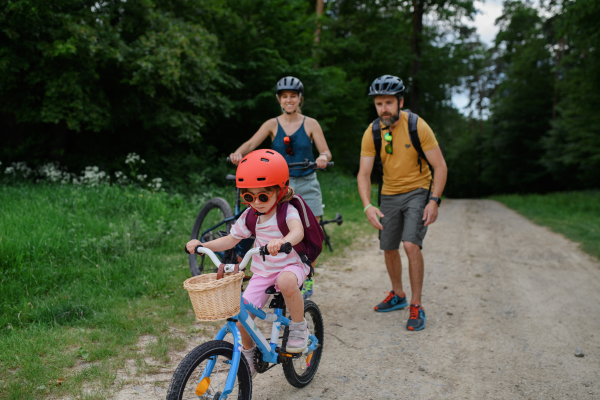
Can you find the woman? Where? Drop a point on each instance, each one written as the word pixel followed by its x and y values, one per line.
pixel 292 135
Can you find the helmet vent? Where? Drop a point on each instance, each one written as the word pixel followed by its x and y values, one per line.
pixel 241 179
pixel 264 159
pixel 244 160
pixel 261 179
pixel 270 152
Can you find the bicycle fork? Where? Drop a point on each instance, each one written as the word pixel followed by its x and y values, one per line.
pixel 234 364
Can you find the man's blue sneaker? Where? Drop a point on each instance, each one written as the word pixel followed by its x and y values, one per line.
pixel 307 291
pixel 392 302
pixel 417 319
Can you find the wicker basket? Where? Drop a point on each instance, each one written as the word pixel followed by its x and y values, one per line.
pixel 214 299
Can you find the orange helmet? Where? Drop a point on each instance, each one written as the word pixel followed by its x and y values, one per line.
pixel 262 168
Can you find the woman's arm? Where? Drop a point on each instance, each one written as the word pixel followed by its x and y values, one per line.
pixel 265 130
pixel 316 134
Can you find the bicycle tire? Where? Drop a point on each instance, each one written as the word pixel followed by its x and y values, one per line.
pixel 289 368
pixel 212 204
pixel 177 387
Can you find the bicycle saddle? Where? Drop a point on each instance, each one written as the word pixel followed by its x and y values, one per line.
pixel 230 177
pixel 271 290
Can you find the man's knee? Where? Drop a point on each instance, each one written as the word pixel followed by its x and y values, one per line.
pixel 411 249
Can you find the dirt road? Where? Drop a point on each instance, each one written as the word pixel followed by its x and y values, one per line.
pixel 507 304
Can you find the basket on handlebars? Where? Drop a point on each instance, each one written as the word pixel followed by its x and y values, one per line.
pixel 214 299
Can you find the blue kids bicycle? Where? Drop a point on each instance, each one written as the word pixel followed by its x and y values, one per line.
pixel 217 369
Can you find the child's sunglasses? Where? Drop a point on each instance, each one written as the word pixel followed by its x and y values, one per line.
pixel 288 143
pixel 262 197
pixel 388 147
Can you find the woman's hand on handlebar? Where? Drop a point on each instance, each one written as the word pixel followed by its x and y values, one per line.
pixel 275 245
pixel 235 158
pixel 321 161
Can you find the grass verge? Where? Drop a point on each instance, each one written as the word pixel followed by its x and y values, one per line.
pixel 573 214
pixel 86 271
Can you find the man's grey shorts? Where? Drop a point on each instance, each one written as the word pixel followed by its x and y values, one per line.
pixel 403 219
pixel 308 187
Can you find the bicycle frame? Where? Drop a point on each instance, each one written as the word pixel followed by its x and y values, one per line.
pixel 267 348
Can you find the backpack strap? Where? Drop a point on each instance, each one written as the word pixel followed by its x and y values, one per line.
pixel 416 142
pixel 251 221
pixel 284 229
pixel 376 130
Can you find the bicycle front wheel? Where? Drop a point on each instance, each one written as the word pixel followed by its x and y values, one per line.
pixel 300 371
pixel 187 375
pixel 212 213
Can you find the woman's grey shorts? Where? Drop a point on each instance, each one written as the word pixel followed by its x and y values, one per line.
pixel 308 187
pixel 403 219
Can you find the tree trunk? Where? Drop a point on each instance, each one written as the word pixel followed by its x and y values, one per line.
pixel 417 22
pixel 559 54
pixel 319 11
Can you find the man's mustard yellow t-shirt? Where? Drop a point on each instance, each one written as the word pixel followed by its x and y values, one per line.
pixel 401 168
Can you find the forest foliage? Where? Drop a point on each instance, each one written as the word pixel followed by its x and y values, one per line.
pixel 184 82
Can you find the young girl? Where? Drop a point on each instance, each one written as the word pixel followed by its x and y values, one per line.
pixel 263 178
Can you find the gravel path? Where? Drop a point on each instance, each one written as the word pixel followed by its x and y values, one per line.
pixel 508 302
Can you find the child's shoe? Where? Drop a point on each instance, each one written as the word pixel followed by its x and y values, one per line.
pixel 249 354
pixel 298 337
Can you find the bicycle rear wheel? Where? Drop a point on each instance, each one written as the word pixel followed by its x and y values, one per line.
pixel 300 371
pixel 214 211
pixel 187 375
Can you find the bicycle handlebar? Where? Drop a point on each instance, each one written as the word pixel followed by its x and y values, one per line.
pixel 262 251
pixel 303 165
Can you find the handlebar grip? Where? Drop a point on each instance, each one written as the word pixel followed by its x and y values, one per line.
pixel 185 249
pixel 196 250
pixel 330 164
pixel 286 248
pixel 228 159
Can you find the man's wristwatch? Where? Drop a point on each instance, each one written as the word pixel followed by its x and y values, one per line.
pixel 436 199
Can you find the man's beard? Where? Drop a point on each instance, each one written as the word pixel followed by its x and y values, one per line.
pixel 389 120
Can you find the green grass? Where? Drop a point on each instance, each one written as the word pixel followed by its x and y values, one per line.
pixel 85 272
pixel 573 214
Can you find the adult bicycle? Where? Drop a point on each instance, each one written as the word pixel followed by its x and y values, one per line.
pixel 216 218
pixel 217 369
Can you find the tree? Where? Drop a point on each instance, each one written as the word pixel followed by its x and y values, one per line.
pixel 70 69
pixel 522 104
pixel 573 143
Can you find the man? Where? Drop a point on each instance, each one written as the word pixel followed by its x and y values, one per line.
pixel 407 206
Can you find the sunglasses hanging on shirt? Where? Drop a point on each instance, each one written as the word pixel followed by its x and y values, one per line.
pixel 288 145
pixel 388 147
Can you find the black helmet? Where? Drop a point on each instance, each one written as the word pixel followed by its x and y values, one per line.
pixel 290 83
pixel 386 85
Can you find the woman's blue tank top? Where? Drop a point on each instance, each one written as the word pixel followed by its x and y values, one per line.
pixel 301 146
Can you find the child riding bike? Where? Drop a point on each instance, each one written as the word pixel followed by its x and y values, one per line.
pixel 263 178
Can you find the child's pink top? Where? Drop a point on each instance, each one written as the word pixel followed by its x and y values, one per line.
pixel 265 232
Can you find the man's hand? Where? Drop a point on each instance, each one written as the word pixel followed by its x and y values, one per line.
pixel 372 214
pixel 236 158
pixel 431 212
pixel 191 246
pixel 274 246
pixel 321 161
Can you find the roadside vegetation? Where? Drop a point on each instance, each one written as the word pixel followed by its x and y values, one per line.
pixel 86 271
pixel 573 214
